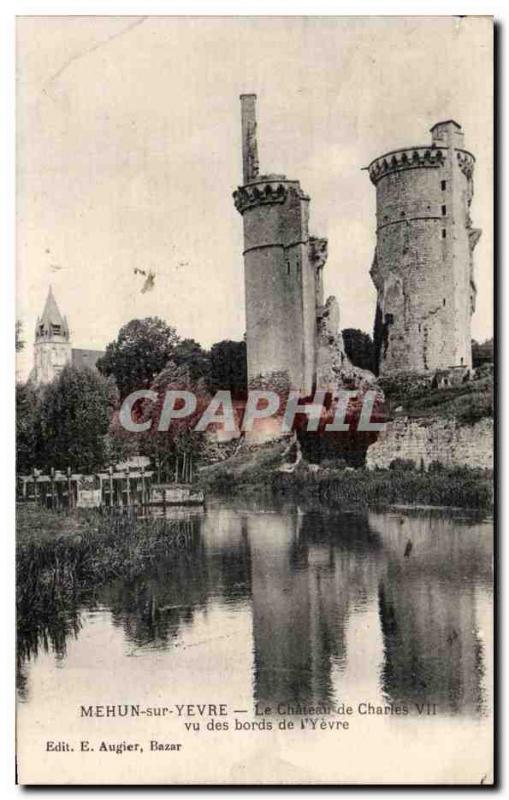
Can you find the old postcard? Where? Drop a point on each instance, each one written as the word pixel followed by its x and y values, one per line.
pixel 254 393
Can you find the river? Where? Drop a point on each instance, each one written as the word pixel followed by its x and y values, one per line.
pixel 278 607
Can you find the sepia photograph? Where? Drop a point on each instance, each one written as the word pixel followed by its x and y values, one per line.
pixel 255 372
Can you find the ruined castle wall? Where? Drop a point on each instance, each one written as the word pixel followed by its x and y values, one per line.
pixel 415 288
pixel 280 288
pixel 460 194
pixel 423 263
pixel 424 441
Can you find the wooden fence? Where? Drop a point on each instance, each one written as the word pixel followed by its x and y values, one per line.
pixel 58 489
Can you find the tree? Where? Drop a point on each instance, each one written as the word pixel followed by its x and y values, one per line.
pixel 142 349
pixel 174 450
pixel 482 353
pixel 359 348
pixel 20 343
pixel 74 417
pixel 27 422
pixel 229 366
pixel 188 353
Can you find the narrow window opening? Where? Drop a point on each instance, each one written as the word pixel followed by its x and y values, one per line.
pixel 444 233
pixel 443 302
pixel 444 210
pixel 444 185
pixel 288 267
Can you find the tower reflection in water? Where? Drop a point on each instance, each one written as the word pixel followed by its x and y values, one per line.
pixel 306 572
pixel 430 576
pixel 333 604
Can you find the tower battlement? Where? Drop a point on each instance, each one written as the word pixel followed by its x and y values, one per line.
pixel 417 157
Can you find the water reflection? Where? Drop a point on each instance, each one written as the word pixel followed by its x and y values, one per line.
pixel 429 610
pixel 307 571
pixel 306 580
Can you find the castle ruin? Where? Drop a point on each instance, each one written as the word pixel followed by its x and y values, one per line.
pixel 423 264
pixel 285 309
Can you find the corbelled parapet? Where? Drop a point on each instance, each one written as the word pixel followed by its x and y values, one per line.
pixel 466 162
pixel 267 190
pixel 413 157
pixel 407 158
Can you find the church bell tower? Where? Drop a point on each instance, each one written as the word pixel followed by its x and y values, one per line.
pixel 52 346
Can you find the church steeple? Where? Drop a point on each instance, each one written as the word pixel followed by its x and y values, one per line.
pixel 51 326
pixel 52 346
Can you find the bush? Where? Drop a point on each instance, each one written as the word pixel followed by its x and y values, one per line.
pixel 402 464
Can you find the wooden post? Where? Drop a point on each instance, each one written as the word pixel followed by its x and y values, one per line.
pixel 36 493
pixel 110 470
pixel 69 489
pixel 142 486
pixel 52 485
pixel 128 487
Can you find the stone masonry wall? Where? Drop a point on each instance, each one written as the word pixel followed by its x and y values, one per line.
pixel 422 265
pixel 443 440
pixel 279 284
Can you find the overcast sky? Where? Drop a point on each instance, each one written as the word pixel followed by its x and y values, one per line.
pixel 129 150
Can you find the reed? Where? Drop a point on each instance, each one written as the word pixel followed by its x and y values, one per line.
pixel 454 487
pixel 61 558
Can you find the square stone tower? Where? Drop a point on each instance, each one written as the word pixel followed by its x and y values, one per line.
pixel 423 264
pixel 280 275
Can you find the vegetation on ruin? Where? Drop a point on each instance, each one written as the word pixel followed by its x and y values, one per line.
pixel 408 394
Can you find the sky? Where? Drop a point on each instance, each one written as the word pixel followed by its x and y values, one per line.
pixel 128 151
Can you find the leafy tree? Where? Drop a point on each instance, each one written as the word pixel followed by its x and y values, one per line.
pixel 188 353
pixel 171 451
pixel 27 422
pixel 229 366
pixel 482 353
pixel 74 417
pixel 359 348
pixel 142 349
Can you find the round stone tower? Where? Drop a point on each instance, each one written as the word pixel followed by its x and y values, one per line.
pixel 423 264
pixel 280 275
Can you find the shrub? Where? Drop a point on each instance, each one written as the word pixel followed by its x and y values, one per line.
pixel 402 464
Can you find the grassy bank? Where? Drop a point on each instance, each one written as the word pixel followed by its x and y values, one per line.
pixel 60 557
pixel 257 472
pixel 458 487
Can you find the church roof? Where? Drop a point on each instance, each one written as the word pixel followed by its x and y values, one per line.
pixel 51 323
